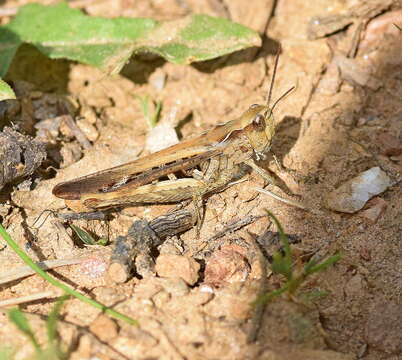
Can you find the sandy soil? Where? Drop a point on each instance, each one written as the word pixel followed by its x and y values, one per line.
pixel 343 118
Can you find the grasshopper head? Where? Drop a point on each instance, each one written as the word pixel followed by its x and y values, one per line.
pixel 259 125
pixel 258 121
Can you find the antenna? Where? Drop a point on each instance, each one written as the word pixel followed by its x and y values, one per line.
pixel 270 110
pixel 273 75
pixel 281 97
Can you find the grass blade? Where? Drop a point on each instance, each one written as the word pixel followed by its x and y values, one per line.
pixel 313 266
pixel 282 264
pixel 68 290
pixel 86 237
pixel 20 321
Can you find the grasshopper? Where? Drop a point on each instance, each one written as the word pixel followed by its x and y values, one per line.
pixel 210 163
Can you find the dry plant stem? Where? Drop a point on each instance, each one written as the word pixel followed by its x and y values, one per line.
pixel 28 298
pixel 24 271
pixel 142 237
pixel 255 321
pixel 209 245
pixel 235 225
pixel 356 39
pixel 173 223
pixel 128 249
pixel 94 215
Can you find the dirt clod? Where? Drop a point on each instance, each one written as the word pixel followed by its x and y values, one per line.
pixel 104 328
pixel 375 209
pixel 390 144
pixel 177 266
pixel 226 265
pixel 20 155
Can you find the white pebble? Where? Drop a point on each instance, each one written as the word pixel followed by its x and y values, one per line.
pixel 352 195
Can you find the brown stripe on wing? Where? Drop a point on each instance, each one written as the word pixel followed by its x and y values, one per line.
pixel 119 177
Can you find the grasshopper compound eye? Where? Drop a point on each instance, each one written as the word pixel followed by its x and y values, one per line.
pixel 254 106
pixel 259 122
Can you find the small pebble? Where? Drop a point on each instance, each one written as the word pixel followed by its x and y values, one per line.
pixel 177 266
pixel 207 289
pixel 160 137
pixel 93 266
pixel 88 129
pixel 227 265
pixel 175 287
pixel 158 79
pixel 89 114
pixel 48 127
pixel 104 328
pixel 352 195
pixel 375 210
pixel 391 145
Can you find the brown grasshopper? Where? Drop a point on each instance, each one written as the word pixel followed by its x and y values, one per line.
pixel 210 163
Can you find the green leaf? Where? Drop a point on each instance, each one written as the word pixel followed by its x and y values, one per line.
pixel 269 296
pixel 151 118
pixel 313 266
pixel 86 237
pixel 7 352
pixel 51 323
pixel 102 242
pixel 20 321
pixel 54 348
pixel 61 32
pixel 6 92
pixel 312 295
pixel 282 264
pixel 9 44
